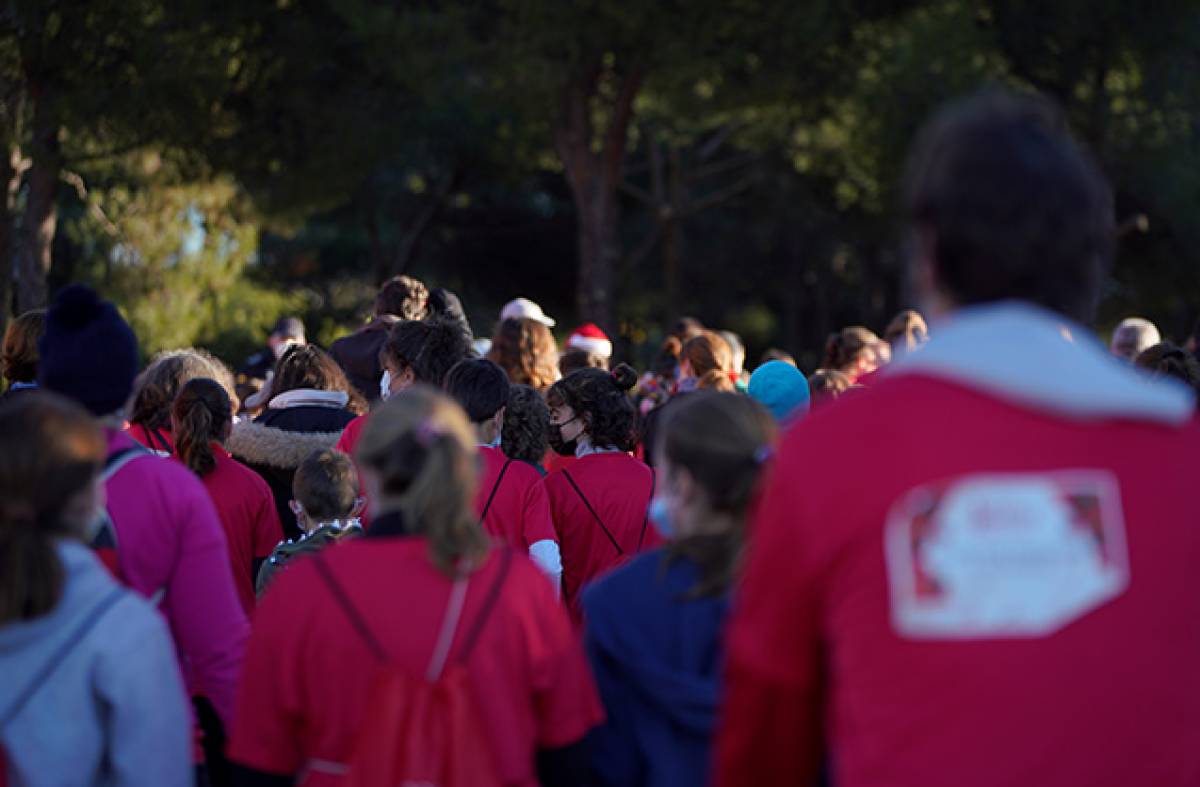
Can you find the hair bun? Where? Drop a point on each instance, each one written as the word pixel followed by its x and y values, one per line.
pixel 625 377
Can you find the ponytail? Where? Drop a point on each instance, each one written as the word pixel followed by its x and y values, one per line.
pixel 201 415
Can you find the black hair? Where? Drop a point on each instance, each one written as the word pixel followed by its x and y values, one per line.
pixel 430 348
pixel 479 386
pixel 525 434
pixel 1015 208
pixel 602 400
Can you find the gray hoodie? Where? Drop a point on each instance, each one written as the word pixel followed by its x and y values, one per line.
pixel 114 712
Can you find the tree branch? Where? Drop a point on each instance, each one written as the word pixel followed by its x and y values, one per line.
pixel 74 180
pixel 638 193
pixel 719 197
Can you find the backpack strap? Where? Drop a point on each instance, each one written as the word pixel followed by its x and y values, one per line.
pixel 495 489
pixel 485 611
pixel 93 617
pixel 352 613
pixel 595 516
pixel 646 518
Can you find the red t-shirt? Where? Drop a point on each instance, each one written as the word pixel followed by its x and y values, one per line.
pixel 520 513
pixel 618 488
pixel 351 434
pixel 305 690
pixel 247 512
pixel 555 461
pixel 896 613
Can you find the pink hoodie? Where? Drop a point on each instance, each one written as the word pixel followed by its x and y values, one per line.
pixel 170 542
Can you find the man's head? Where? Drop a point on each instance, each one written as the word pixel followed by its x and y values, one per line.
pixel 1005 205
pixel 1132 336
pixel 481 388
pixel 287 331
pixel 403 297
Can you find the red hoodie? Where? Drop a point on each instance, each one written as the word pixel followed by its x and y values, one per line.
pixel 1000 592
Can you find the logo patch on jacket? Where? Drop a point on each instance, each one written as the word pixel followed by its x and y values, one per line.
pixel 1005 555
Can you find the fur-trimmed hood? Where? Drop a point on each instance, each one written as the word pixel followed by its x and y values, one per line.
pixel 260 444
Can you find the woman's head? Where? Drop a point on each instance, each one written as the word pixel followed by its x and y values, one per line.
pixel 704 353
pixel 201 415
pixel 526 351
pixel 155 389
pixel 417 457
pixel 49 488
pixel 308 367
pixel 851 351
pixel 716 381
pixel 826 385
pixel 593 404
pixel 20 354
pixel 525 434
pixel 711 450
pixel 421 353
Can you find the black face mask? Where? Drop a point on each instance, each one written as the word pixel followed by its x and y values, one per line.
pixel 562 447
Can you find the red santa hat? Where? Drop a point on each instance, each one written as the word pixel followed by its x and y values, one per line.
pixel 590 338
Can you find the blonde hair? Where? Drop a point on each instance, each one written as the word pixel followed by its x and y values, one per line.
pixel 422 447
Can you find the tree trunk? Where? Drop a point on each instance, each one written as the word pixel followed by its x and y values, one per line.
pixel 40 219
pixel 10 179
pixel 594 177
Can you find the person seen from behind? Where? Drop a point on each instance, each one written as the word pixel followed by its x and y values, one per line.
pixel 202 418
pixel 91 691
pixel 447 653
pixel 326 504
pixel 400 299
pixel 654 626
pixel 511 500
pixel 1041 514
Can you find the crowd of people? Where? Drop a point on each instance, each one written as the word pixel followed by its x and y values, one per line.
pixel 959 552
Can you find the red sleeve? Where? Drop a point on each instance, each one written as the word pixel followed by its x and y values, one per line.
pixel 266 733
pixel 268 531
pixel 565 696
pixel 349 438
pixel 769 732
pixel 536 521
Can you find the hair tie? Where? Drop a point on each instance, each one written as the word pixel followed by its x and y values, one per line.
pixel 763 455
pixel 427 432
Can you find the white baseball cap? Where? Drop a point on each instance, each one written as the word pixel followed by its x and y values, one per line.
pixel 523 307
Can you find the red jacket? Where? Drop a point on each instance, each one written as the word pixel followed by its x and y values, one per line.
pixel 618 489
pixel 246 509
pixel 1001 591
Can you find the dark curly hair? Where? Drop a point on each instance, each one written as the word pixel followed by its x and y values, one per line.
pixel 526 424
pixel 430 348
pixel 403 297
pixel 601 400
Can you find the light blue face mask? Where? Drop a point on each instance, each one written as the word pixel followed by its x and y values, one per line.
pixel 660 516
pixel 385 385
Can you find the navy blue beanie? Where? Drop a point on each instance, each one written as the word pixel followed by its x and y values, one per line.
pixel 89 352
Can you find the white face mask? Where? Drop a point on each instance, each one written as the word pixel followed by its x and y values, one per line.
pixel 385 385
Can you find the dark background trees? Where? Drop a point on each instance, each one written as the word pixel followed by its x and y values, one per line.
pixel 211 166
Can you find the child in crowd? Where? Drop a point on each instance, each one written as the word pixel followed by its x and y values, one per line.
pixel 422 597
pixel 91 692
pixel 326 504
pixel 654 625
pixel 201 419
pixel 598 504
pixel 511 501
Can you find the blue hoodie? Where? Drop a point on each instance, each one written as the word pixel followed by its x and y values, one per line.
pixel 114 712
pixel 657 661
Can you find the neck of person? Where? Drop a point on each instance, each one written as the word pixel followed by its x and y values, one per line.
pixel 487 432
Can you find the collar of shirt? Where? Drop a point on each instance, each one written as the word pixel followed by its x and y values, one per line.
pixel 1035 358
pixel 584 448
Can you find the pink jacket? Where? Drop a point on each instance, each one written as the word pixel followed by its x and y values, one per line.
pixel 170 543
